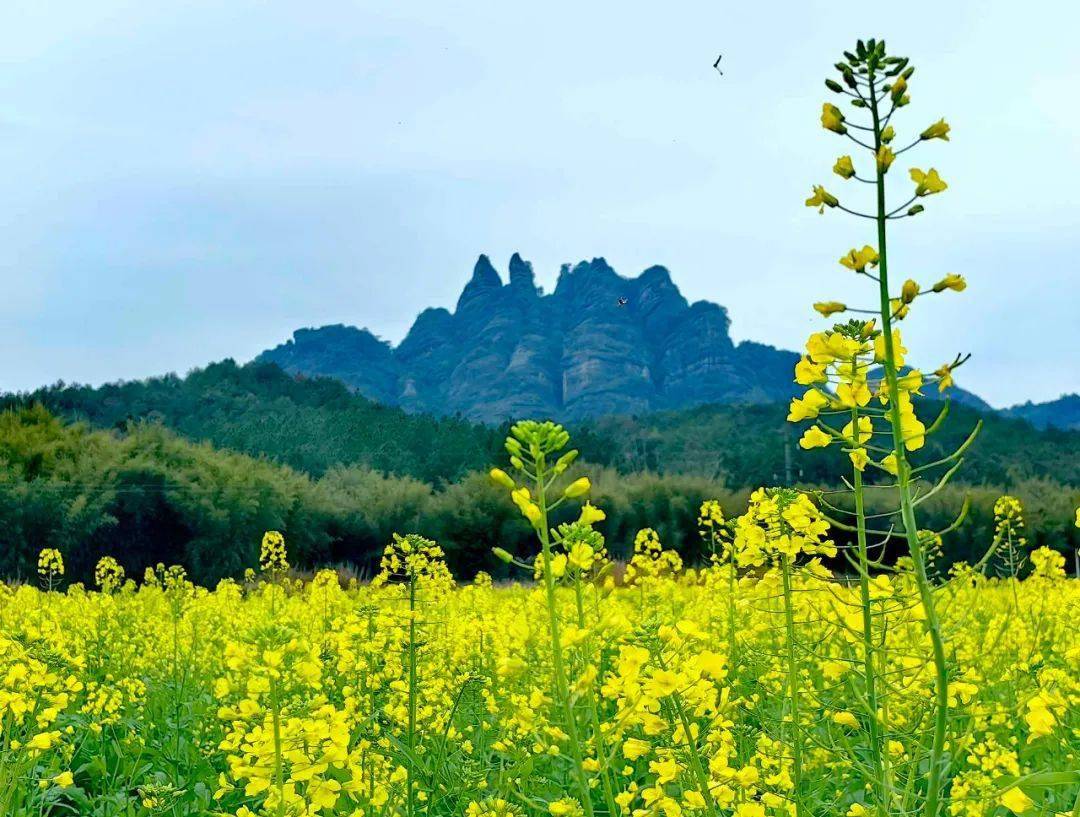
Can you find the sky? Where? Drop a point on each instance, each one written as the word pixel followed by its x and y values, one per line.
pixel 188 181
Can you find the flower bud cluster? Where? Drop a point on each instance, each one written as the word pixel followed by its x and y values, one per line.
pixel 108 574
pixel 50 563
pixel 780 522
pixel 413 558
pixel 272 558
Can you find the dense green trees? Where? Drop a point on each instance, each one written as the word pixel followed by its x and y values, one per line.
pixel 143 496
pixel 310 425
pixel 193 470
pixel 317 425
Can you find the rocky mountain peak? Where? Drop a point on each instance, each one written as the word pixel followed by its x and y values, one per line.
pixel 600 343
pixel 484 280
pixel 522 277
pixel 656 276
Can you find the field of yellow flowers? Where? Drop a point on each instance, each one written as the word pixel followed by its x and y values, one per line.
pixel 765 683
pixel 411 695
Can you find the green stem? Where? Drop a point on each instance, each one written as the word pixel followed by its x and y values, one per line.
pixel 177 703
pixel 793 685
pixel 411 738
pixel 279 776
pixel 733 586
pixel 696 765
pixel 561 686
pixel 907 509
pixel 599 745
pixel 869 670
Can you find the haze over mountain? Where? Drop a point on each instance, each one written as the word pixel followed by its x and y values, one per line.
pixel 599 344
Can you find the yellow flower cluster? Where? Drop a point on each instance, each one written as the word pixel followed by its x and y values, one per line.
pixel 296 698
pixel 413 558
pixel 272 557
pixel 780 523
pixel 836 367
pixel 108 574
pixel 50 564
pixel 1009 520
pixel 650 559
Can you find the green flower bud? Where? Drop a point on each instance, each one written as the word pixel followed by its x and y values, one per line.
pixel 834 86
pixel 502 555
pixel 565 461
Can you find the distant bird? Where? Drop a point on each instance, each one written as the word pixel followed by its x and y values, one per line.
pixel 623 302
pixel 716 64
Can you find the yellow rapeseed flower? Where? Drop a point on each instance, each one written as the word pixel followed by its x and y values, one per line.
pixel 832 118
pixel 927 183
pixel 939 130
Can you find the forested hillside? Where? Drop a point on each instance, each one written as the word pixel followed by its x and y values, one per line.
pixel 309 424
pixel 745 445
pixel 145 495
pixel 192 470
pixel 315 425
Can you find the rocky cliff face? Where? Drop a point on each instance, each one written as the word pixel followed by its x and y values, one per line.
pixel 599 344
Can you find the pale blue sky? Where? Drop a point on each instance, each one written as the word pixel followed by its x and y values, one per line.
pixel 186 181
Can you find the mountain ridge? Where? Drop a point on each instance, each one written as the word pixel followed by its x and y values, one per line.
pixel 600 343
pixel 1062 413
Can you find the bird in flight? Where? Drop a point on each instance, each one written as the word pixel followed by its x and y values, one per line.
pixel 716 64
pixel 623 302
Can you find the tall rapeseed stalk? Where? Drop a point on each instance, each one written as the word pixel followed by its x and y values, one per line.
pixel 876 84
pixel 534 454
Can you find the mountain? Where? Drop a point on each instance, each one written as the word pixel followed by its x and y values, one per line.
pixel 599 344
pixel 1062 413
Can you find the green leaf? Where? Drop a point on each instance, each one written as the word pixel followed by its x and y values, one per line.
pixel 1039 780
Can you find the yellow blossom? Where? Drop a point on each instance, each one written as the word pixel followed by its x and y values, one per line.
pixel 814 437
pixel 951 281
pixel 859 458
pixel 808 406
pixel 909 291
pixel 884 158
pixel 832 118
pixel 857 260
pixel 827 308
pixel 821 199
pixel 927 183
pixel 939 130
pixel 844 167
pixel 1016 801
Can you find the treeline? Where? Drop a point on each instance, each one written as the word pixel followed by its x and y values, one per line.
pixel 317 425
pixel 755 445
pixel 144 495
pixel 311 425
